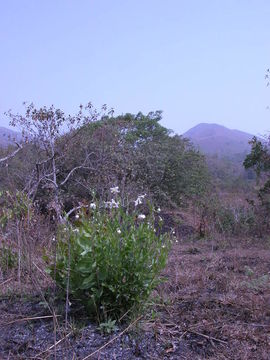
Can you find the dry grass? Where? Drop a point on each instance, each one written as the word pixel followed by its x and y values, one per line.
pixel 217 297
pixel 214 305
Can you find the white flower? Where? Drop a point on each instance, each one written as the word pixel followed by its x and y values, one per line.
pixel 115 190
pixel 159 210
pixel 160 218
pixel 118 231
pixel 53 239
pixel 76 230
pixel 141 217
pixel 163 246
pixel 139 200
pixel 77 216
pixel 93 206
pixel 176 241
pixel 112 204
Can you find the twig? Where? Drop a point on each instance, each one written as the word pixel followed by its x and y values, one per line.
pixel 41 271
pixel 29 318
pixel 58 342
pixel 6 281
pixel 208 337
pixel 113 339
pixel 125 314
pixel 53 346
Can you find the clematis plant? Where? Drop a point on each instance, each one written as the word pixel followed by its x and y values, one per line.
pixel 110 259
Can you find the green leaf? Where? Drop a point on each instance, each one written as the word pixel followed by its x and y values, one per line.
pixel 87 282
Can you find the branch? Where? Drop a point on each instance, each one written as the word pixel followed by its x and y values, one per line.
pixel 75 209
pixel 50 180
pixel 76 168
pixel 12 154
pixel 72 171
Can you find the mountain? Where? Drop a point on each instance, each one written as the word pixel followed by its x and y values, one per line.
pixel 7 136
pixel 217 139
pixel 225 151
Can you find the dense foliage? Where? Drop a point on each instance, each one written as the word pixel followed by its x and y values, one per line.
pixel 61 166
pixel 259 161
pixel 228 173
pixel 139 154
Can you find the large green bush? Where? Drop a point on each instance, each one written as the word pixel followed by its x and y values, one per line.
pixel 114 257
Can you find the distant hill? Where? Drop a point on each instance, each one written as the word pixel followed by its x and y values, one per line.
pixel 225 150
pixel 7 136
pixel 217 139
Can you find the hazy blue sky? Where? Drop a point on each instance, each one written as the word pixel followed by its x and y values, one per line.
pixel 198 61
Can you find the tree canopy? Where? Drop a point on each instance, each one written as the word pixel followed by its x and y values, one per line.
pixel 67 160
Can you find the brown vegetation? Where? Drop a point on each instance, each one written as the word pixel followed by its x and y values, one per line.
pixel 214 305
pixel 217 299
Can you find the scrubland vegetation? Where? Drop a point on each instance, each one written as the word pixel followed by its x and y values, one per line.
pixel 120 240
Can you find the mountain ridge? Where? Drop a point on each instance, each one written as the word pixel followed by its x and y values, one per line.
pixel 212 138
pixel 209 138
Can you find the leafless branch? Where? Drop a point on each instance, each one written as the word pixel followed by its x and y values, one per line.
pixel 72 171
pixel 12 154
pixel 75 209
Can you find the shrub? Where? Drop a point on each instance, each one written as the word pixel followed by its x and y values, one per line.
pixel 235 220
pixel 16 214
pixel 225 220
pixel 115 259
pixel 8 258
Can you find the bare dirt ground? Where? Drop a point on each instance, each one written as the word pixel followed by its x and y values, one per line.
pixel 215 304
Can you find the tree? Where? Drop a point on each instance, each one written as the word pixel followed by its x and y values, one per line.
pixel 259 160
pixel 68 160
pixel 140 155
pixel 42 130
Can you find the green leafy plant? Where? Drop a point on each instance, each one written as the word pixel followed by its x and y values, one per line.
pixel 108 327
pixel 110 260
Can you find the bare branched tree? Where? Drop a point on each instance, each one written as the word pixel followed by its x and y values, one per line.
pixel 51 133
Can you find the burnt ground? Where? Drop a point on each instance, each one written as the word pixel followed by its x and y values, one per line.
pixel 215 304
